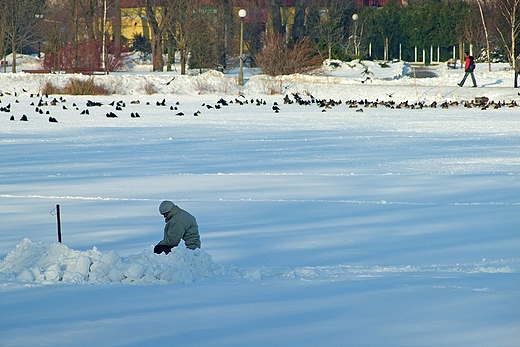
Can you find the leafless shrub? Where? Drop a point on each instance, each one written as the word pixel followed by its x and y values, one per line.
pixel 76 86
pixel 201 84
pixel 272 85
pixel 150 88
pixel 41 83
pixel 226 85
pixel 49 88
pixel 278 58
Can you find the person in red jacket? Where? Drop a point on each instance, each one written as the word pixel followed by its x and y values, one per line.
pixel 469 67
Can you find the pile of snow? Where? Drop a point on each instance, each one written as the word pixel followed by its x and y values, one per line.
pixel 52 263
pixel 45 263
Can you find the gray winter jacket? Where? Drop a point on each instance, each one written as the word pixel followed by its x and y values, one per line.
pixel 181 225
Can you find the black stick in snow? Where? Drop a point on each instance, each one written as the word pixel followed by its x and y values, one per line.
pixel 58 220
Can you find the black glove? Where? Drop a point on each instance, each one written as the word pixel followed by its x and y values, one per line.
pixel 162 248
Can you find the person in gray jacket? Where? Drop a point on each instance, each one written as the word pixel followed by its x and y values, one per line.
pixel 179 225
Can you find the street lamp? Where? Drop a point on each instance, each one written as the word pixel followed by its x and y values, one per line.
pixel 39 16
pixel 355 18
pixel 242 13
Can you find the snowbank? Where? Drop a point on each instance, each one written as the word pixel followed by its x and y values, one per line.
pixel 44 263
pixel 52 263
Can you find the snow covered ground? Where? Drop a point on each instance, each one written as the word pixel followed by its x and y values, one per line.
pixel 320 226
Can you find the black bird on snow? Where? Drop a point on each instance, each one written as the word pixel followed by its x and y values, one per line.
pixel 111 115
pixel 12 118
pixel 93 103
pixel 179 114
pixel 53 120
pixel 24 118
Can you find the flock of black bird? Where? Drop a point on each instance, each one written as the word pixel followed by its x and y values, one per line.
pixel 43 101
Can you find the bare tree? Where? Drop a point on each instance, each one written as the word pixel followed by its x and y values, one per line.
pixel 508 10
pixel 484 25
pixel 116 26
pixel 179 28
pixel 2 31
pixel 225 31
pixel 298 28
pixel 278 58
pixel 330 27
pixel 159 15
pixel 20 21
pixel 276 17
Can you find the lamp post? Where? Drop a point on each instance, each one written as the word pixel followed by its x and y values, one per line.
pixel 242 13
pixel 39 16
pixel 355 18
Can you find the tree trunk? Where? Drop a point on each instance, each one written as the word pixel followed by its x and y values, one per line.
pixel 157 59
pixel 117 28
pixel 509 10
pixel 276 17
pixel 225 16
pixel 183 61
pixel 2 35
pixel 13 48
pixel 488 50
pixel 298 29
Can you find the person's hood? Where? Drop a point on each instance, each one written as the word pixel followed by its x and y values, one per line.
pixel 172 213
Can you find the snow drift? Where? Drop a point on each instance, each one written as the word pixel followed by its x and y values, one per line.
pixel 52 263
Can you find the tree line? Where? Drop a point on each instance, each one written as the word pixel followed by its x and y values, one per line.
pixel 204 34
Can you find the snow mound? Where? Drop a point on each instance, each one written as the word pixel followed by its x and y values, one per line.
pixel 44 263
pixel 53 263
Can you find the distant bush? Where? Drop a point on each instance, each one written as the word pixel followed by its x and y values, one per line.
pixel 150 88
pixel 76 86
pixel 49 89
pixel 278 58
